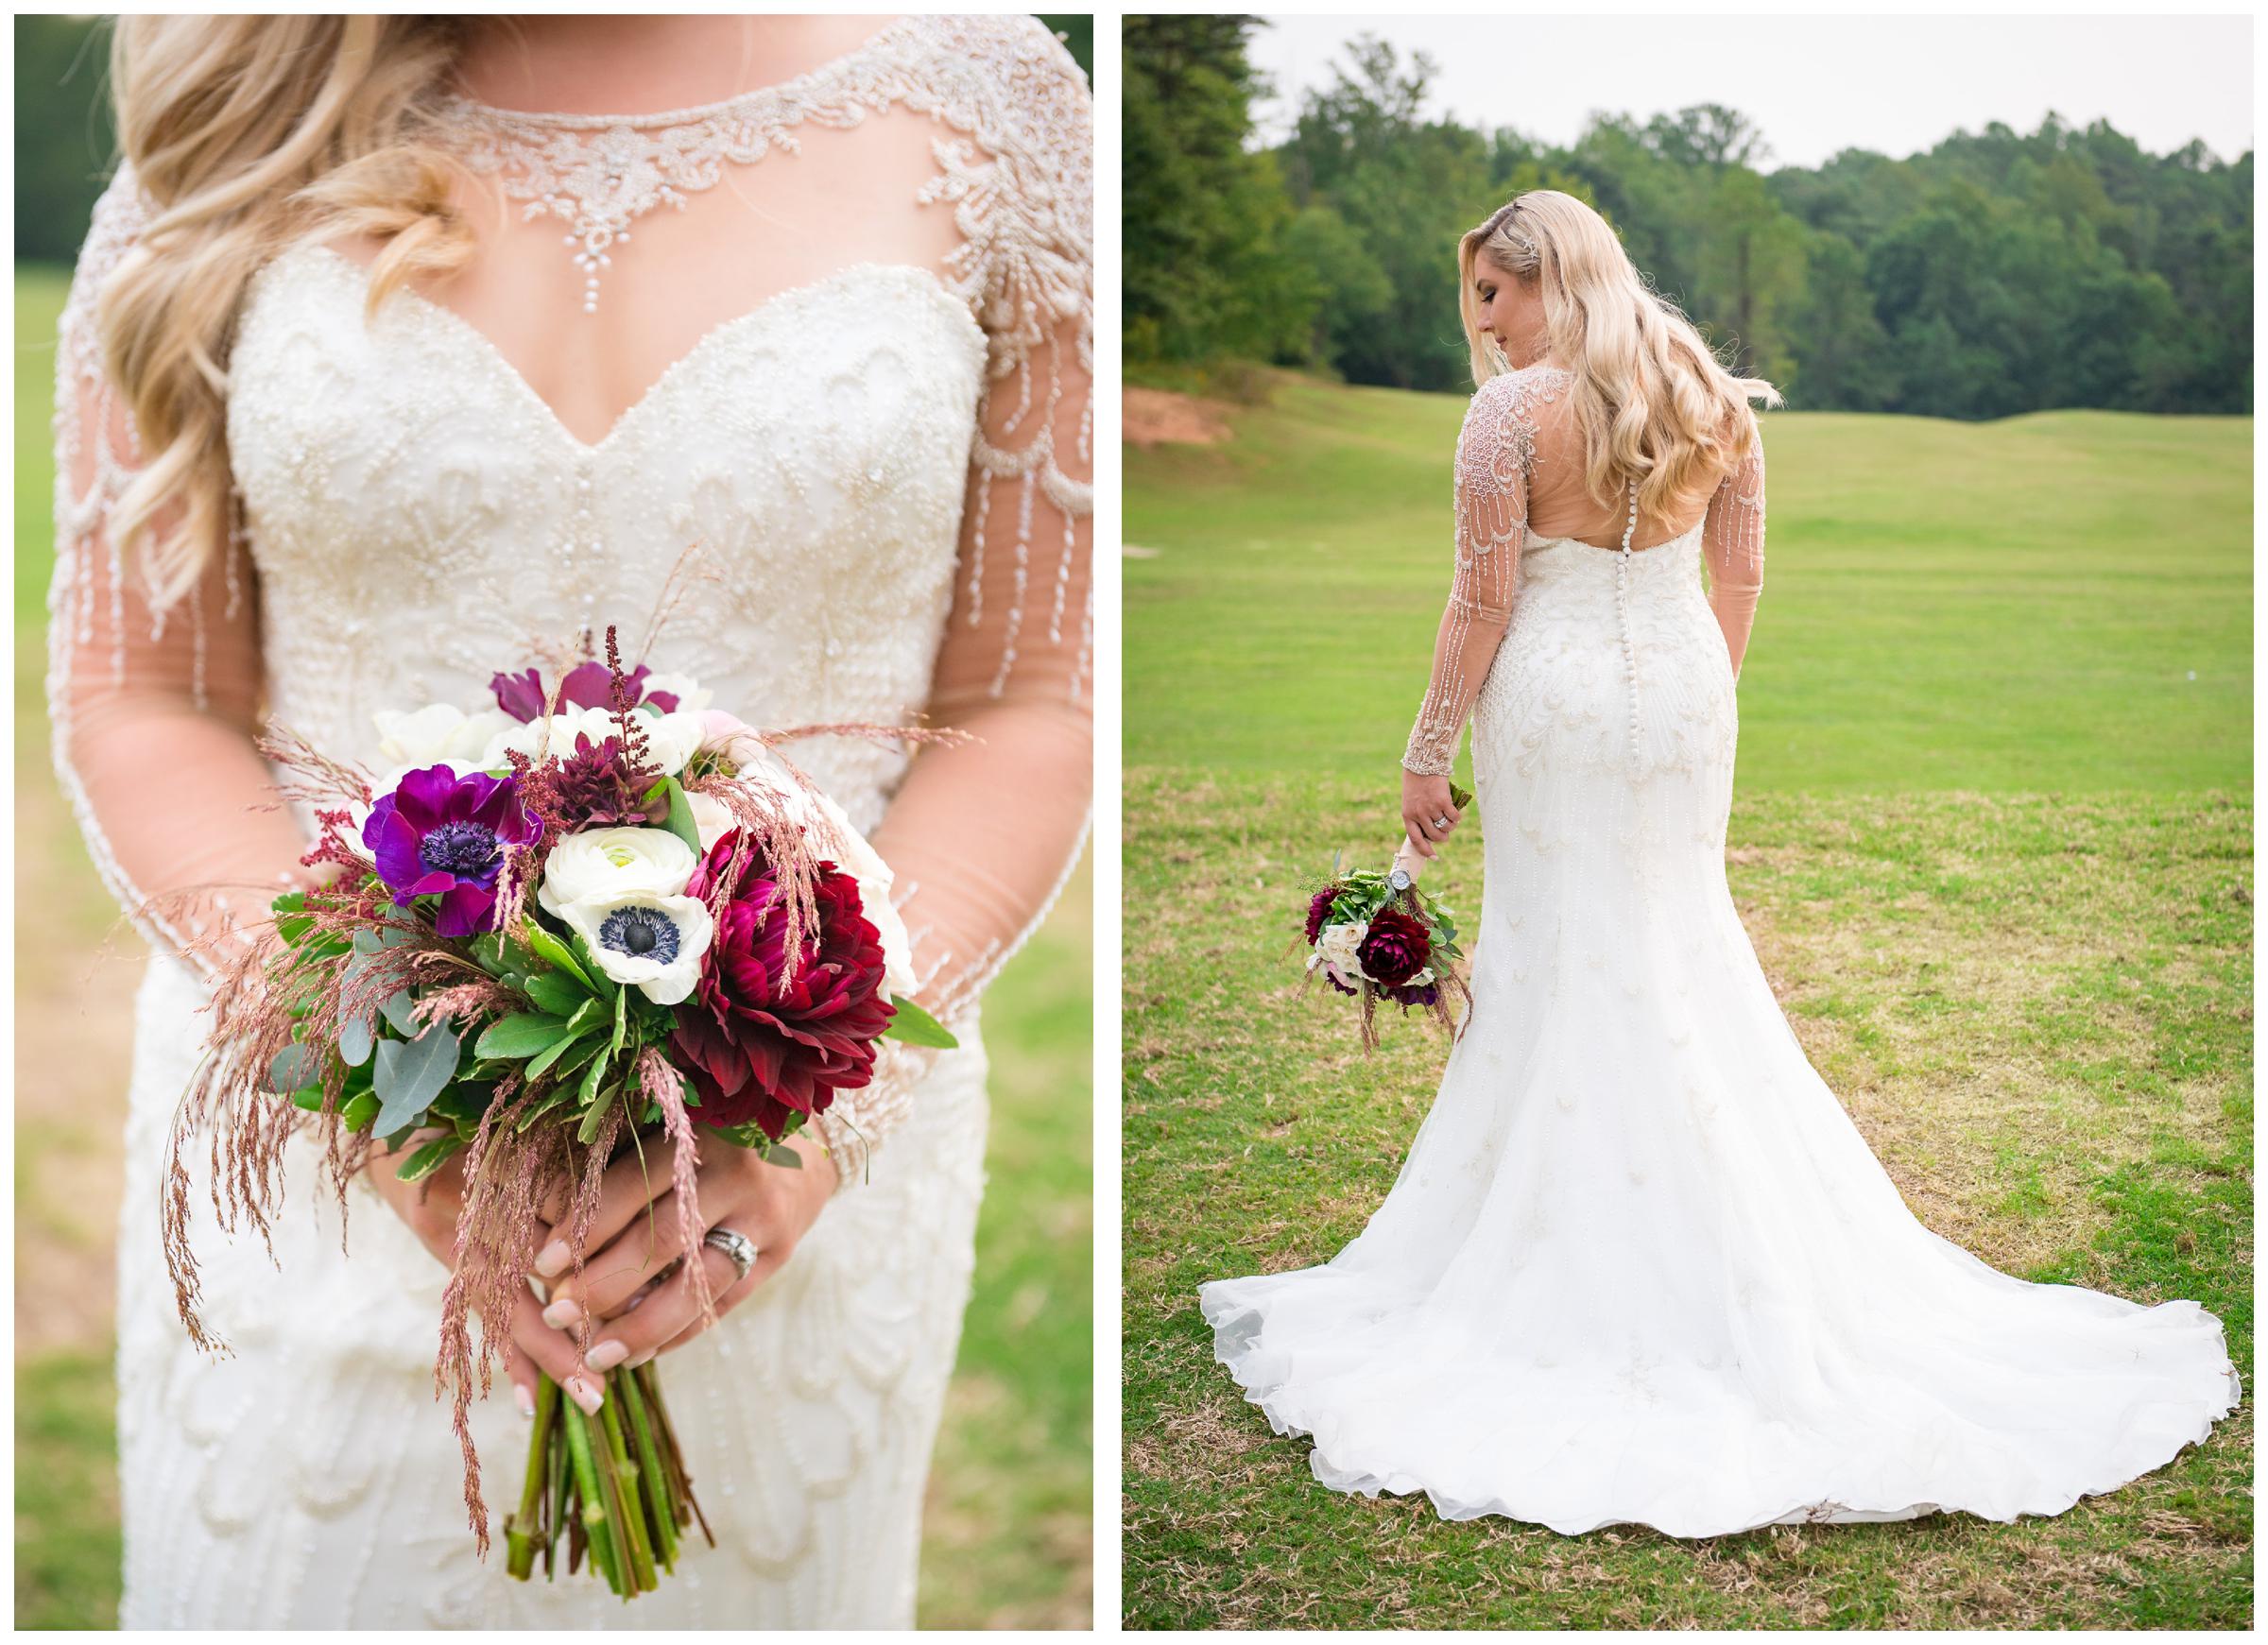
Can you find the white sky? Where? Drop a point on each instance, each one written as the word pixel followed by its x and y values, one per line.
pixel 1812 85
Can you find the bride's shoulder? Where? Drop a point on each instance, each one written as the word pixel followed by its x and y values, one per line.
pixel 1518 393
pixel 1015 52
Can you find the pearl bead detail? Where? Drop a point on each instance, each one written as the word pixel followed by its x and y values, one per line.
pixel 1621 602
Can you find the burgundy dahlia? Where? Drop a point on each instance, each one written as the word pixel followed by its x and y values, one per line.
pixel 1318 911
pixel 1396 949
pixel 768 1035
pixel 441 834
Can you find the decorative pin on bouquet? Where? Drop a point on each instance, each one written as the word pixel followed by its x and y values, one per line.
pixel 1377 936
pixel 592 918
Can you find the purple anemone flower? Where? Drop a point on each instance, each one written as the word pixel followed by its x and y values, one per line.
pixel 441 834
pixel 588 685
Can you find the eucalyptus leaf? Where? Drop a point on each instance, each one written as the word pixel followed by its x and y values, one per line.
pixel 396 1008
pixel 295 1066
pixel 785 1157
pixel 915 1026
pixel 411 1072
pixel 355 1042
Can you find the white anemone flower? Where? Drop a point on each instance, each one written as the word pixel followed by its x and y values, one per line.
pixel 651 943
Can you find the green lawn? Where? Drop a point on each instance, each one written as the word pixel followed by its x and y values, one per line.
pixel 1007 1536
pixel 1995 850
pixel 2055 601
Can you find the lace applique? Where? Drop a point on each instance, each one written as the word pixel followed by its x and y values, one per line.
pixel 1496 458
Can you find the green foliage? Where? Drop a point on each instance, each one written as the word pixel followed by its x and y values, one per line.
pixel 2059 601
pixel 2040 1018
pixel 1996 273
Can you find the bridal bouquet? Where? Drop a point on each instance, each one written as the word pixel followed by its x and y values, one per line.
pixel 593 916
pixel 1377 936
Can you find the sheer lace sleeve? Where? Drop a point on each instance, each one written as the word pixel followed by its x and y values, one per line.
pixel 1732 544
pixel 1495 453
pixel 153 711
pixel 982 836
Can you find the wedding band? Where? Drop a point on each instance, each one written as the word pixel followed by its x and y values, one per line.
pixel 736 1245
pixel 1440 822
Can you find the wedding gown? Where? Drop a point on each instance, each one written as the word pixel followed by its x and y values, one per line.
pixel 1639 1265
pixel 877 464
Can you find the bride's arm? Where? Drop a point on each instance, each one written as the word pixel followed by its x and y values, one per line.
pixel 982 836
pixel 1732 542
pixel 152 710
pixel 1494 454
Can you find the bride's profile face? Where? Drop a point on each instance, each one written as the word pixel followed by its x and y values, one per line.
pixel 1510 312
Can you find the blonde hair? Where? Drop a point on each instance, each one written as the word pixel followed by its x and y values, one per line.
pixel 1650 398
pixel 246 133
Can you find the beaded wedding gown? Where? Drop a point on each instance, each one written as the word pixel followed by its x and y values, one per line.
pixel 876 465
pixel 1639 1265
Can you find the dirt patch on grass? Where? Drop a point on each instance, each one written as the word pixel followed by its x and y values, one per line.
pixel 1156 418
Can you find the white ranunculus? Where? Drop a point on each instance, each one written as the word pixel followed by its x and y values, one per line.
pixel 621 862
pixel 673 738
pixel 651 943
pixel 759 766
pixel 440 732
pixel 692 696
pixel 1335 945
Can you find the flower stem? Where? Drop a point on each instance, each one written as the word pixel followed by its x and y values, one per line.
pixel 651 1477
pixel 580 1449
pixel 520 1530
pixel 621 1480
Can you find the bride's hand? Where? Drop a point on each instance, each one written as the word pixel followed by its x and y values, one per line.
pixel 1424 803
pixel 430 1207
pixel 770 1206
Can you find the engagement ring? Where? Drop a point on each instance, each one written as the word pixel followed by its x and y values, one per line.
pixel 736 1245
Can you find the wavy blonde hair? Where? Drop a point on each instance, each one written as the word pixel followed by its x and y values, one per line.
pixel 1650 398
pixel 246 134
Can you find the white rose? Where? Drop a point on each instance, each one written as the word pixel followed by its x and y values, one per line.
pixel 621 861
pixel 692 696
pixel 651 943
pixel 760 767
pixel 437 732
pixel 1335 946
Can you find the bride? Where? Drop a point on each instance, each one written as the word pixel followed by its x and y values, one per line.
pixel 1640 1266
pixel 401 347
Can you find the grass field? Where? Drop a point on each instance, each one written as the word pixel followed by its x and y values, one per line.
pixel 1007 1537
pixel 1994 847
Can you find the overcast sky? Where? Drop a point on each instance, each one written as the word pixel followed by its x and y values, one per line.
pixel 1812 85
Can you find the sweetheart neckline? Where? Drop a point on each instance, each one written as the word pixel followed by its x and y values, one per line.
pixel 485 346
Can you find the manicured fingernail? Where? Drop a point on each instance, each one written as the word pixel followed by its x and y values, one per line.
pixel 553 1258
pixel 584 1395
pixel 525 1397
pixel 563 1316
pixel 608 1355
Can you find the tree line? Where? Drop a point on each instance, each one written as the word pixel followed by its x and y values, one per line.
pixel 1997 273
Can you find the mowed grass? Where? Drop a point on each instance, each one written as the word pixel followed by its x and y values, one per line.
pixel 1007 1538
pixel 2055 601
pixel 1995 850
pixel 2038 1011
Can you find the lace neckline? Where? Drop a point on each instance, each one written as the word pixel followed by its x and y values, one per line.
pixel 456 109
pixel 598 174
